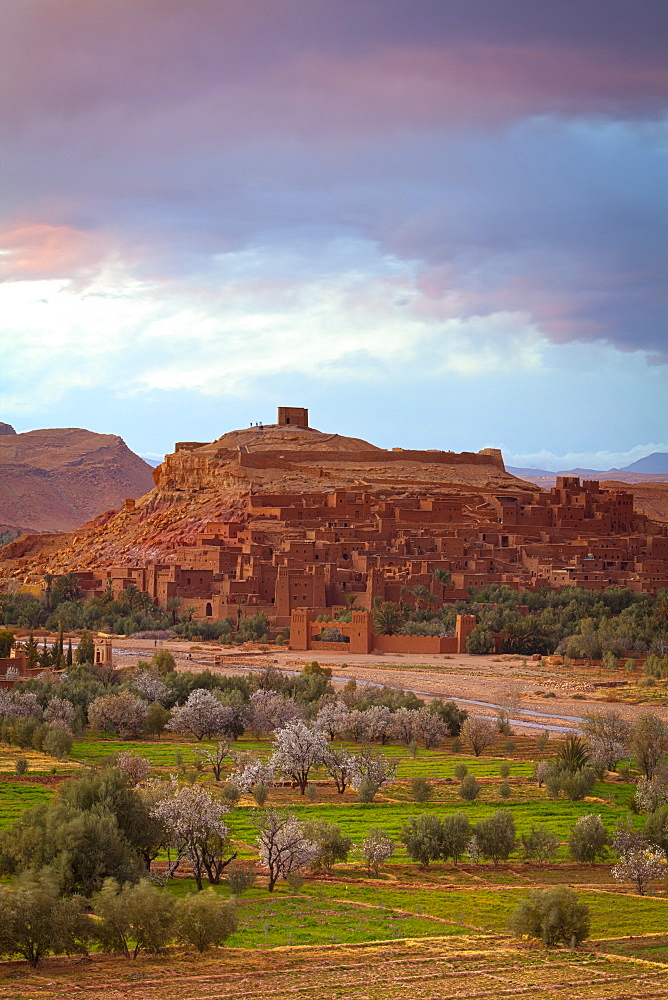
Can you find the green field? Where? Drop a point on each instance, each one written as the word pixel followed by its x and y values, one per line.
pixel 405 901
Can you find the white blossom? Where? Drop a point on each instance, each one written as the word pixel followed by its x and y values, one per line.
pixel 375 768
pixel 298 749
pixel 194 824
pixel 333 718
pixel 282 846
pixel 149 686
pixel 641 867
pixel 376 848
pixel 202 715
pixel 271 711
pixel 60 712
pixel 136 769
pixel 251 771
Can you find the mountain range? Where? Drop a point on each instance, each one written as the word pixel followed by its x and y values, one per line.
pixel 57 479
pixel 654 466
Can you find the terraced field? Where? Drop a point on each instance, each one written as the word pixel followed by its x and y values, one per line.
pixel 426 969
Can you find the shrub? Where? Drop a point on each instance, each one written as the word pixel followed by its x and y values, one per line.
pixel 332 845
pixel 260 793
pixel 21 765
pixel 496 836
pixel 36 920
pixel 479 641
pixel 133 913
pixel 504 770
pixel 461 770
pixel 311 791
pixel 539 844
pixel 423 837
pixel 204 920
pixel 57 742
pixel 456 834
pixel 504 790
pixel 231 793
pixel 588 840
pixel 239 878
pixel 367 790
pixel 469 788
pixel 421 789
pixel 553 916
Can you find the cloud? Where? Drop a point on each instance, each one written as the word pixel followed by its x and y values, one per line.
pixel 246 326
pixel 206 198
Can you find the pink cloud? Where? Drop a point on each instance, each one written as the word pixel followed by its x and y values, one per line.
pixel 34 251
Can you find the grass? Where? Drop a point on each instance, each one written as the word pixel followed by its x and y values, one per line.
pixel 16 797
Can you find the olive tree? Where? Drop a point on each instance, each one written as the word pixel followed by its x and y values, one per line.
pixel 332 845
pixel 456 835
pixel 133 917
pixel 553 916
pixel 649 742
pixel 36 920
pixel 204 920
pixel 495 836
pixel 423 837
pixel 587 840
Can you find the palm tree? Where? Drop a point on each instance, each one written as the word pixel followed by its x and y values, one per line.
pixel 387 618
pixel 420 594
pixel 442 575
pixel 574 754
pixel 173 605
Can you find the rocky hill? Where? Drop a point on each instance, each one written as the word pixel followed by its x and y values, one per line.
pixel 56 480
pixel 201 483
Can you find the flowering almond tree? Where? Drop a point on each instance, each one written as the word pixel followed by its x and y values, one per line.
pixel 202 715
pixel 374 768
pixel 298 749
pixel 251 771
pixel 271 711
pixel 341 766
pixel 196 831
pixel 282 846
pixel 641 867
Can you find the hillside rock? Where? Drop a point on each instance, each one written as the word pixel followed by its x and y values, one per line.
pixel 55 480
pixel 202 483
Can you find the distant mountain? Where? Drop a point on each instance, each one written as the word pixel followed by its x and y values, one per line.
pixel 516 471
pixel 56 480
pixel 651 466
pixel 654 463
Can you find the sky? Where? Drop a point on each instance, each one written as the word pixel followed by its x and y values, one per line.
pixel 434 223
